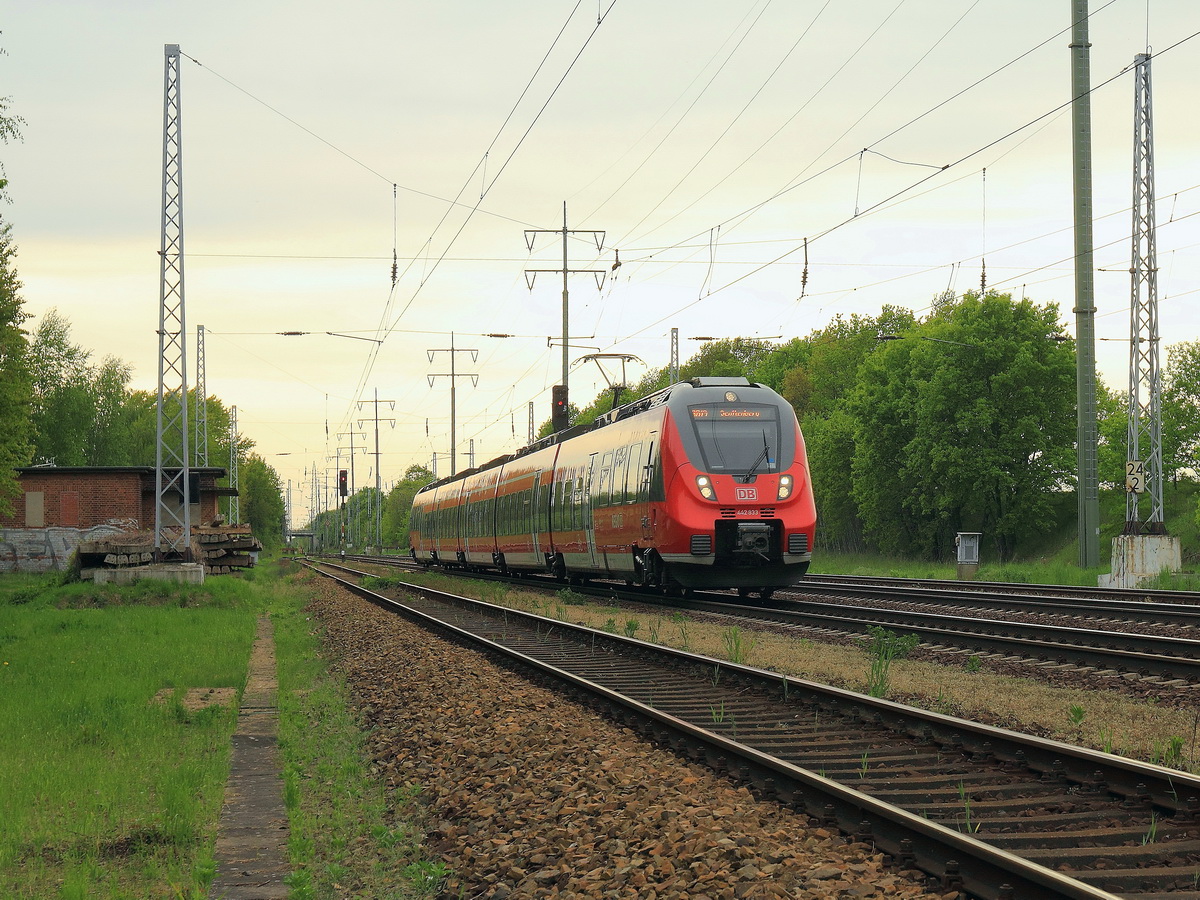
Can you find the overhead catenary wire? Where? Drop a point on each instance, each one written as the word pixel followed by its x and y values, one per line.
pixel 473 208
pixel 337 149
pixel 892 87
pixel 794 184
pixel 386 329
pixel 895 195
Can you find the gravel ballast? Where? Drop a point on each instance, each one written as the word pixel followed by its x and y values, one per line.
pixel 527 794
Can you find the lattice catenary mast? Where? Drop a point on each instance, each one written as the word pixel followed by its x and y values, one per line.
pixel 201 445
pixel 673 367
pixel 172 497
pixel 1144 464
pixel 234 505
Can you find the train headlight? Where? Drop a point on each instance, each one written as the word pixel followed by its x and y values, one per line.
pixel 704 483
pixel 785 487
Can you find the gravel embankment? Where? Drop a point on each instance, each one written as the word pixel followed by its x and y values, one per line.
pixel 530 795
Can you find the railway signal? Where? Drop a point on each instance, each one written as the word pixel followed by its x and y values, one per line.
pixel 558 407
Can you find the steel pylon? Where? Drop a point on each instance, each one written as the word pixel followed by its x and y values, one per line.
pixel 172 496
pixel 1144 463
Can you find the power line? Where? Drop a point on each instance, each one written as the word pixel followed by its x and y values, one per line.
pixel 339 150
pixel 732 221
pixel 900 193
pixel 385 331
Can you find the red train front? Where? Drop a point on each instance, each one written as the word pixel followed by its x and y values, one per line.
pixel 737 507
pixel 704 484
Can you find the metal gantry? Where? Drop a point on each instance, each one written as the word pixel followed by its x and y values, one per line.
pixel 172 496
pixel 1144 463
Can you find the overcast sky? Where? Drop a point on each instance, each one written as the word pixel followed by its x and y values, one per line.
pixel 706 139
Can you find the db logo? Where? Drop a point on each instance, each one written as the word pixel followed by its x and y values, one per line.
pixel 746 493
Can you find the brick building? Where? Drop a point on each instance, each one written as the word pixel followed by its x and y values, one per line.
pixel 58 506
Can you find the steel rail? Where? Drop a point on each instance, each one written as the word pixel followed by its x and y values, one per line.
pixel 957 859
pixel 1165 657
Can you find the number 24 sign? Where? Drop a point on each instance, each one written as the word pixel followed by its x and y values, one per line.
pixel 1135 476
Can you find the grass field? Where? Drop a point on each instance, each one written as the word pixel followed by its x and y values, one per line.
pixel 112 785
pixel 106 791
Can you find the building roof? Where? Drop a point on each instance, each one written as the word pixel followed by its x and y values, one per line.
pixel 216 471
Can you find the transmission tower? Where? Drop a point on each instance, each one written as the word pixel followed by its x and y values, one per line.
pixel 201 402
pixel 172 496
pixel 1144 465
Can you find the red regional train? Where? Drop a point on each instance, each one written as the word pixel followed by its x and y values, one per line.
pixel 703 484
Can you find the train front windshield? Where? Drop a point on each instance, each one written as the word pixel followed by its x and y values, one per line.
pixel 737 440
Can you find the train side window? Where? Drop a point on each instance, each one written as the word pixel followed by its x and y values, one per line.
pixel 619 470
pixel 633 473
pixel 647 474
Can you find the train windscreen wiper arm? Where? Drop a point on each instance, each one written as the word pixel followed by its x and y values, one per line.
pixel 760 458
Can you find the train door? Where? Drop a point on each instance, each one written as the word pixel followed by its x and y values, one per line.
pixel 589 524
pixel 535 511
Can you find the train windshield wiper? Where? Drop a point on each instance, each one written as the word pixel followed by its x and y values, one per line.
pixel 763 456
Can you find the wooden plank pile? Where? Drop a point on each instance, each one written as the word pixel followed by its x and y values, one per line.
pixel 225 548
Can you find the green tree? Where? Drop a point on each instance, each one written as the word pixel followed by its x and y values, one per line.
pixel 774 368
pixel 78 409
pixel 63 412
pixel 728 357
pixel 16 385
pixel 15 373
pixel 138 418
pixel 1112 423
pixel 10 130
pixel 1181 410
pixel 965 424
pixel 261 502
pixel 816 374
pixel 398 505
pixel 1179 419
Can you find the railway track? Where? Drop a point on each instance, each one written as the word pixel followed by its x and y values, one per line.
pixel 990 812
pixel 986 590
pixel 1158 645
